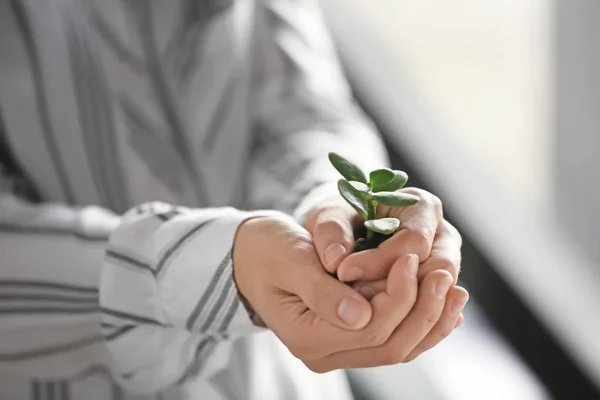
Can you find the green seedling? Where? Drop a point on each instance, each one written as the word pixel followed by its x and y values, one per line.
pixel 364 195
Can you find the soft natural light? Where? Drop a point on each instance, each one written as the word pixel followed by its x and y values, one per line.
pixel 483 69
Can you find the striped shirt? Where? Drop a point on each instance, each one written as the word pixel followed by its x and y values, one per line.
pixel 136 135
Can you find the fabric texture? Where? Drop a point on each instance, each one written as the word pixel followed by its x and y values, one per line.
pixel 137 135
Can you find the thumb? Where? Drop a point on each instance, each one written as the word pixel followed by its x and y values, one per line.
pixel 328 298
pixel 333 235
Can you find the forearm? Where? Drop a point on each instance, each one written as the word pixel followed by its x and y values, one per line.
pixel 154 287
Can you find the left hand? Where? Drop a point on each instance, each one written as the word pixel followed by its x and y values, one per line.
pixel 423 231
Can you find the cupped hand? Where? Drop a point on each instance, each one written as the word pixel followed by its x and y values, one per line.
pixel 423 231
pixel 322 321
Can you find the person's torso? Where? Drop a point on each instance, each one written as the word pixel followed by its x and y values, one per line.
pixel 114 103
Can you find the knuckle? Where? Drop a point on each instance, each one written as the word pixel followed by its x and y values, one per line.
pixel 418 241
pixel 420 238
pixel 395 355
pixel 430 317
pixel 447 264
pixel 375 337
pixel 452 231
pixel 328 226
pixel 444 332
pixel 426 198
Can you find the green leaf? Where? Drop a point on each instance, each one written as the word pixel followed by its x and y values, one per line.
pixel 380 177
pixel 385 226
pixel 398 181
pixel 354 197
pixel 348 170
pixel 360 186
pixel 395 199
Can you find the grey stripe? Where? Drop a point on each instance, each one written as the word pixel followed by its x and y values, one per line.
pixel 162 159
pixel 63 287
pixel 50 351
pixel 229 316
pixel 131 317
pixel 93 370
pixel 119 332
pixel 114 43
pixel 51 231
pixel 171 251
pixel 86 114
pixel 129 260
pixel 41 98
pixel 168 215
pixel 40 297
pixel 13 310
pixel 36 390
pixel 203 351
pixel 222 111
pixel 98 119
pixel 182 48
pixel 50 391
pixel 167 100
pixel 117 392
pixel 63 389
pixel 218 308
pixel 208 292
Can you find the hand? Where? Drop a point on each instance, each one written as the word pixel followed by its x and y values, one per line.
pixel 423 231
pixel 322 321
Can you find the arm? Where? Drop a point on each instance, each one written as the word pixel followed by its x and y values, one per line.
pixel 304 110
pixel 161 301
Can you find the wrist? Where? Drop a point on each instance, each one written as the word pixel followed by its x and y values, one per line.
pixel 244 257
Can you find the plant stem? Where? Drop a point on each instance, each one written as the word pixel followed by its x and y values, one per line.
pixel 370 237
pixel 371 215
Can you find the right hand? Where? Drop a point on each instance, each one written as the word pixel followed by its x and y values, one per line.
pixel 322 321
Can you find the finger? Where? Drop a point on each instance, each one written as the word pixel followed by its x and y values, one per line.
pixel 311 337
pixel 390 307
pixel 412 330
pixel 445 252
pixel 459 321
pixel 333 235
pixel 455 302
pixel 324 295
pixel 375 264
pixel 418 227
pixel 421 220
pixel 369 289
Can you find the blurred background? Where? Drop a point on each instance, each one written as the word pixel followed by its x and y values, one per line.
pixel 494 105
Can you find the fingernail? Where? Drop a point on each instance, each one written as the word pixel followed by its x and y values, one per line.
pixel 442 287
pixel 333 252
pixel 413 265
pixel 366 291
pixel 458 305
pixel 459 323
pixel 352 313
pixel 352 274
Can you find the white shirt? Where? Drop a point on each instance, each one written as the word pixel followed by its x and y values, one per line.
pixel 142 129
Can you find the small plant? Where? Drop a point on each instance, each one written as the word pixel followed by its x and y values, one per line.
pixel 365 195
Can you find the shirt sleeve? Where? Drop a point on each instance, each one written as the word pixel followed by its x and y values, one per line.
pixel 305 109
pixel 151 290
